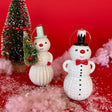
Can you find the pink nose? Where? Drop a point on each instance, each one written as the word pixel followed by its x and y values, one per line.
pixel 82 51
pixel 40 45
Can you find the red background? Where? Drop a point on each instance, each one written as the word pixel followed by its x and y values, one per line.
pixel 60 18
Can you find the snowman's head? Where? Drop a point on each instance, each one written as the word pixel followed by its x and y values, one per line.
pixel 42 44
pixel 80 52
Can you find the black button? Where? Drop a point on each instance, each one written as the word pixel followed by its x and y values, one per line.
pixel 79 79
pixel 81 66
pixel 80 69
pixel 81 75
pixel 80 72
pixel 79 94
pixel 79 84
pixel 79 89
pixel 76 49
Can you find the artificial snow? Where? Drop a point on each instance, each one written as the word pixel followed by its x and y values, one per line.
pixel 5 66
pixel 30 98
pixel 22 97
pixel 53 99
pixel 104 54
pixel 58 64
pixel 49 99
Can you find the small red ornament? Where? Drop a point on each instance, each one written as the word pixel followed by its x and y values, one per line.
pixel 16 28
pixel 25 29
pixel 49 63
pixel 30 58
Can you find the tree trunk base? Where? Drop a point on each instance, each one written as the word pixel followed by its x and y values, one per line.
pixel 20 68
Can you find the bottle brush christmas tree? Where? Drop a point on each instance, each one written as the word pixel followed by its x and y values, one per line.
pixel 12 38
pixel 30 52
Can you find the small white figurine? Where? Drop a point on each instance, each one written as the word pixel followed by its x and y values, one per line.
pixel 78 84
pixel 41 73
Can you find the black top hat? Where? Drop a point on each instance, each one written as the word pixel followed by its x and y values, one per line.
pixel 81 38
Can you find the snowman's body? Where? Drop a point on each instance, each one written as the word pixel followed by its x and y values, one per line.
pixel 41 73
pixel 78 84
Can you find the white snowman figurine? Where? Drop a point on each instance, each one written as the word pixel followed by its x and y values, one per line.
pixel 41 73
pixel 78 84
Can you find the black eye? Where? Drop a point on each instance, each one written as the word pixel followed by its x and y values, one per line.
pixel 76 49
pixel 35 43
pixel 87 49
pixel 45 42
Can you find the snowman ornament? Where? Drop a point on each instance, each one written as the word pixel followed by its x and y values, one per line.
pixel 78 84
pixel 41 73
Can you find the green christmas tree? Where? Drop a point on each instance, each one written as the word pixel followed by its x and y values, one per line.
pixel 12 37
pixel 30 53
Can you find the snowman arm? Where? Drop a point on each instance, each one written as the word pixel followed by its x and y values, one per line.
pixel 65 65
pixel 93 66
pixel 51 57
